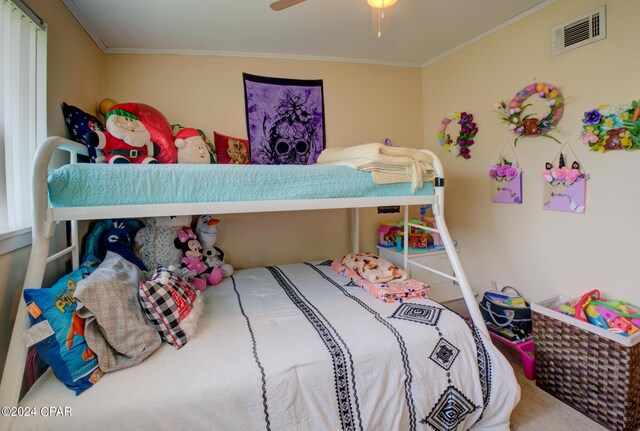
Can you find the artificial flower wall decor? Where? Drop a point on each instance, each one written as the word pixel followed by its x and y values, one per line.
pixel 565 186
pixel 532 124
pixel 506 180
pixel 468 130
pixel 612 127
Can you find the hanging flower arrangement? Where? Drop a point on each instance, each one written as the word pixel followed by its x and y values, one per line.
pixel 504 170
pixel 523 124
pixel 468 131
pixel 612 127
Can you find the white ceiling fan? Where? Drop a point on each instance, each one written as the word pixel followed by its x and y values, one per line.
pixel 382 12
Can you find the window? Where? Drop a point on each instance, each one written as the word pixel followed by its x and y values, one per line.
pixel 23 50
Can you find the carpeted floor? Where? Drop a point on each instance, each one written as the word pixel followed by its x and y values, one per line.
pixel 539 411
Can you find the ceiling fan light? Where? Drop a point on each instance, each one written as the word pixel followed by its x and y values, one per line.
pixel 381 4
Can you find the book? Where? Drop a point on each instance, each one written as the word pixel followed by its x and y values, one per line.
pixel 506 299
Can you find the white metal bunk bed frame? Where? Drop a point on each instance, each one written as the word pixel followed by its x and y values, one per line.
pixel 45 218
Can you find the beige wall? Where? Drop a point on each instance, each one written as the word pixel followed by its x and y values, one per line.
pixel 363 103
pixel 542 253
pixel 75 74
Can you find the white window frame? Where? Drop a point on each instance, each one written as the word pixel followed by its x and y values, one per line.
pixel 23 116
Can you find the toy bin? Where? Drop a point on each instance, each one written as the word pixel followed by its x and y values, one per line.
pixel 595 371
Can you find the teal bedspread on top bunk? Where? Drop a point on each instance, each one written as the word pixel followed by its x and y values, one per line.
pixel 84 184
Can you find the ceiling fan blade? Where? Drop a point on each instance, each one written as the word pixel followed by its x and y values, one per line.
pixel 283 4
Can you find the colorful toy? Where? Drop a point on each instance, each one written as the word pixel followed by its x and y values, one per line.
pixel 389 234
pixel 192 147
pixel 613 315
pixel 207 233
pixel 194 260
pixel 594 317
pixel 419 239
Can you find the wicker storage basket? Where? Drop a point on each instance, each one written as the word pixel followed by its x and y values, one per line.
pixel 593 370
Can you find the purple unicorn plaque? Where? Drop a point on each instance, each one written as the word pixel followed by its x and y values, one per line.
pixel 565 196
pixel 507 191
pixel 285 120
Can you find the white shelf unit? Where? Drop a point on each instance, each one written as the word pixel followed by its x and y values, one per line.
pixel 441 289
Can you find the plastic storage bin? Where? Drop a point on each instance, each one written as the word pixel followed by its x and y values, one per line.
pixel 593 370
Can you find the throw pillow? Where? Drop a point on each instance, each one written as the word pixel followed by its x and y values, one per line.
pixel 79 123
pixel 172 305
pixel 230 150
pixel 66 351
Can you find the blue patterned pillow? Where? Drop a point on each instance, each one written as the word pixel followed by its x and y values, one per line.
pixel 66 351
pixel 79 123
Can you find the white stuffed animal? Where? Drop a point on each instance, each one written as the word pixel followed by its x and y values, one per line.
pixel 207 233
pixel 192 147
pixel 153 243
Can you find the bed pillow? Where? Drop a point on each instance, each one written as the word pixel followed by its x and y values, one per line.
pixel 172 305
pixel 79 123
pixel 230 150
pixel 66 351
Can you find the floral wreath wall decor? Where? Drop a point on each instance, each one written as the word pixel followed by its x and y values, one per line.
pixel 468 130
pixel 565 186
pixel 506 176
pixel 612 127
pixel 523 124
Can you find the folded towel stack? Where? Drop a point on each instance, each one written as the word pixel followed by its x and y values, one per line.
pixel 387 164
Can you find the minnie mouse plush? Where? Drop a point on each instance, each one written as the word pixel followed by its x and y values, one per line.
pixel 195 261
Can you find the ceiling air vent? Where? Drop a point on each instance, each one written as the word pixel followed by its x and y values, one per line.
pixel 580 31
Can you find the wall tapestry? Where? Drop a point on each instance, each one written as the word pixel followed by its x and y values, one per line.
pixel 565 186
pixel 612 127
pixel 506 179
pixel 522 124
pixel 285 120
pixel 468 130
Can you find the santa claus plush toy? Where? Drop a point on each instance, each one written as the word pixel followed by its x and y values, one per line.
pixel 126 140
pixel 191 147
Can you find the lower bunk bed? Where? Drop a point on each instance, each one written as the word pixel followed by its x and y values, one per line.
pixel 296 347
pixel 290 347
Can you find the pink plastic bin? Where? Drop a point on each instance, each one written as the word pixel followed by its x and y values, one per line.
pixel 526 353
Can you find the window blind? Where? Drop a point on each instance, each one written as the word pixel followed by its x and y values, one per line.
pixel 23 44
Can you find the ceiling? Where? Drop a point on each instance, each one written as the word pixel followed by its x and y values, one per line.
pixel 423 30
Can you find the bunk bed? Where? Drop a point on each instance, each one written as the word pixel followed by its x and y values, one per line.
pixel 168 385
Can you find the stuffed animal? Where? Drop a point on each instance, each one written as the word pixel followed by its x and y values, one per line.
pixel 207 232
pixel 195 261
pixel 126 140
pixel 154 245
pixel 192 147
pixel 117 240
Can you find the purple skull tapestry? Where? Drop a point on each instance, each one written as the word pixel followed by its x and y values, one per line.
pixel 285 120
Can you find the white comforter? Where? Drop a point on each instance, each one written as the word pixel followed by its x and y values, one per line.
pixel 296 348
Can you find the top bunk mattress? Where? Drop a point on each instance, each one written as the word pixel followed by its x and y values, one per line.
pixel 87 185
